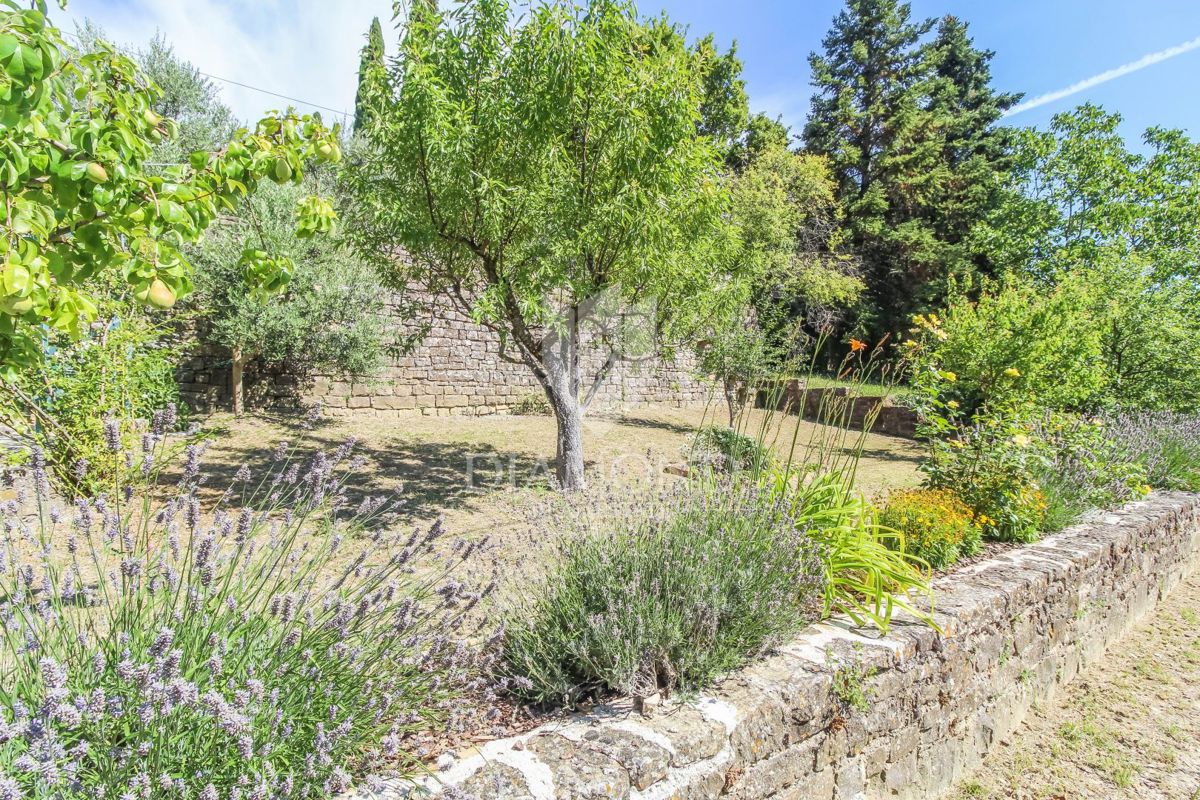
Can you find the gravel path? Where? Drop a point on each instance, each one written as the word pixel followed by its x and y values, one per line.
pixel 1127 728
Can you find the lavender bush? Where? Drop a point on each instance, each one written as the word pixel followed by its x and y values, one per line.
pixel 1165 444
pixel 1081 467
pixel 269 644
pixel 653 596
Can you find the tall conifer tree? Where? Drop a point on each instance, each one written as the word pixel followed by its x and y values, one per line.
pixel 977 151
pixel 908 124
pixel 370 67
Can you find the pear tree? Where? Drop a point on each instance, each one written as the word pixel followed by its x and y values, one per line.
pixel 83 200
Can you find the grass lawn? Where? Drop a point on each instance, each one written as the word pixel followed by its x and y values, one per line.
pixel 491 475
pixel 865 389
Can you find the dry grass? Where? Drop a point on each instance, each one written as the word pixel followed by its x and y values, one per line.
pixel 491 475
pixel 1127 728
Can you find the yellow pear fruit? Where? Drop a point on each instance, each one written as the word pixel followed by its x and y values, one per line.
pixel 160 294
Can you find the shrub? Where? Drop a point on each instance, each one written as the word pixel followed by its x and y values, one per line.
pixel 122 369
pixel 991 463
pixel 533 404
pixel 660 596
pixel 725 450
pixel 1165 445
pixel 1016 342
pixel 936 525
pixel 160 649
pixel 1023 470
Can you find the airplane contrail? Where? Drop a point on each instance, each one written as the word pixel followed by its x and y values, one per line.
pixel 1104 77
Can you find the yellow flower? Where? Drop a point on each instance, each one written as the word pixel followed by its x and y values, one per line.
pixel 952 404
pixel 1021 440
pixel 1012 372
pixel 949 376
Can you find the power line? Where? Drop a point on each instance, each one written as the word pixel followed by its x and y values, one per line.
pixel 342 113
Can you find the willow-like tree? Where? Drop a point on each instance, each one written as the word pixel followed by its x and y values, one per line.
pixel 529 171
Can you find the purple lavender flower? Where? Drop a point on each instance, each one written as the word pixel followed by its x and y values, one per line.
pixel 112 434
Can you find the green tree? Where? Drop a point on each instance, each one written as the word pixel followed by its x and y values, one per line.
pixel 1081 207
pixel 976 151
pixel 899 117
pixel 323 320
pixel 1079 197
pixel 725 108
pixel 532 171
pixel 326 319
pixel 762 133
pixel 184 95
pixel 371 68
pixel 784 212
pixel 189 98
pixel 79 131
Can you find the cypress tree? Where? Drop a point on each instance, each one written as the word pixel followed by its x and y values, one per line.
pixel 370 66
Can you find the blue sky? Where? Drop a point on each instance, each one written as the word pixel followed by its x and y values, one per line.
pixel 309 48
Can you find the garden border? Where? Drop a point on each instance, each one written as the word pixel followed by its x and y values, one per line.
pixel 1015 628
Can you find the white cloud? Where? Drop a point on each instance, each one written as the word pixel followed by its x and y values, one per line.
pixel 1104 77
pixel 307 49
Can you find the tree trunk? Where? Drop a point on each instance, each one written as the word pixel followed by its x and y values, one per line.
pixel 731 400
pixel 568 466
pixel 560 380
pixel 236 393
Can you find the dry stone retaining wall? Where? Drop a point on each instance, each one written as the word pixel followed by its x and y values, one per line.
pixel 456 369
pixel 1014 629
pixel 837 405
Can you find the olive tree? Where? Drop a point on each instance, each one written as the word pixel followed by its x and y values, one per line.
pixel 325 319
pixel 528 169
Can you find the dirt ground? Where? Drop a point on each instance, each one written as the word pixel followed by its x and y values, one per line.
pixel 489 474
pixel 1127 728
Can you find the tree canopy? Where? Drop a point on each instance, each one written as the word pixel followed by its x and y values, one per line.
pixel 1082 208
pixel 908 124
pixel 528 170
pixel 328 318
pixel 80 129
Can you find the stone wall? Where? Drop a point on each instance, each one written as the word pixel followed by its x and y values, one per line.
pixel 836 404
pixel 456 369
pixel 1014 629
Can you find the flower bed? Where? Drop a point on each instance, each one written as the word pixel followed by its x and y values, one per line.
pixel 836 712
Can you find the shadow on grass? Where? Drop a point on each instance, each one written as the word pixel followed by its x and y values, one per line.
pixel 881 454
pixel 422 478
pixel 641 422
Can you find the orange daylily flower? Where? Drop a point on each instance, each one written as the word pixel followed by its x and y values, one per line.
pixel 856 345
